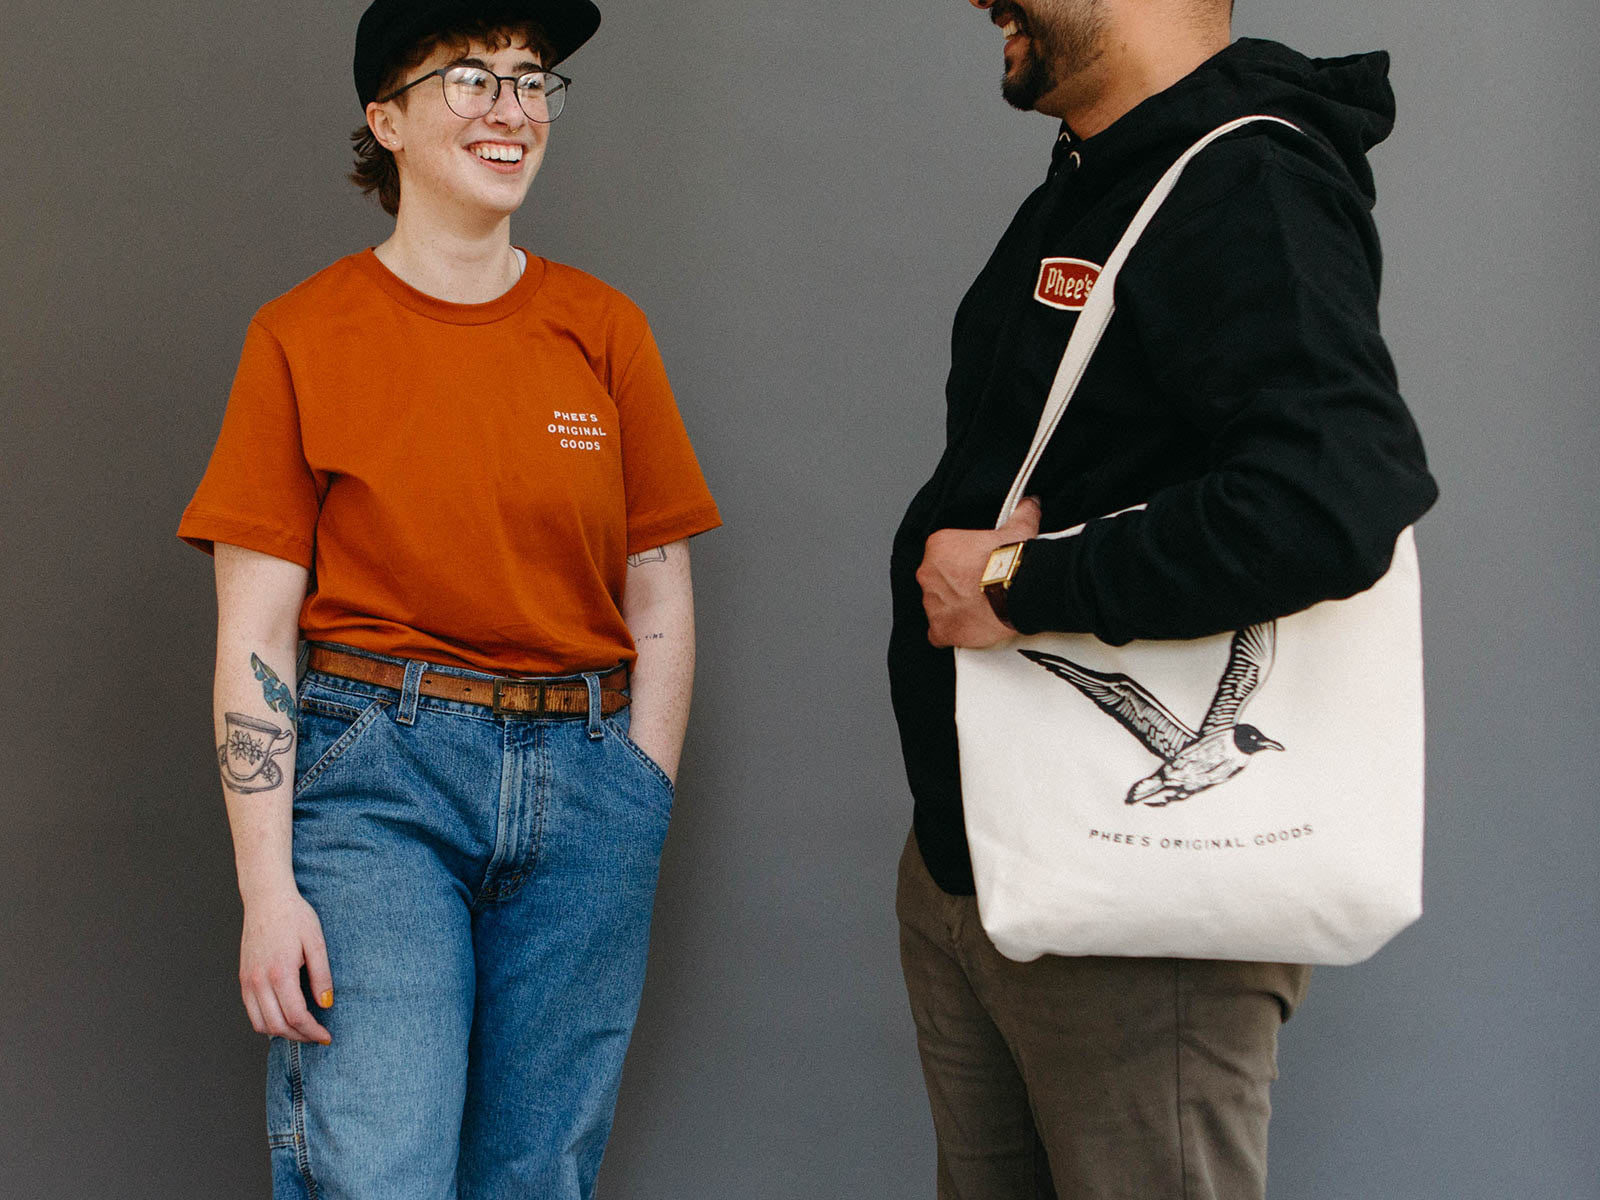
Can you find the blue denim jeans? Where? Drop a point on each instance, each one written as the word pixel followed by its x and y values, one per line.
pixel 485 887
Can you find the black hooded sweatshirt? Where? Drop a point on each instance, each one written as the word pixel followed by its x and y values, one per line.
pixel 1242 391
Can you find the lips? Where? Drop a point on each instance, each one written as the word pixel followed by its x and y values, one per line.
pixel 1009 21
pixel 497 151
pixel 504 158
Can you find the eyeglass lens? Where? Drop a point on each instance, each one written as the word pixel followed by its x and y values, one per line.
pixel 471 92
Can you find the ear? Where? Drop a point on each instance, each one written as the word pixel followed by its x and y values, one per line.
pixel 380 119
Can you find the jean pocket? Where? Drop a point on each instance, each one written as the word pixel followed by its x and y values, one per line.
pixel 651 767
pixel 328 729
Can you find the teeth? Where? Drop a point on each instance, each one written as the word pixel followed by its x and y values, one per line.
pixel 1009 29
pixel 498 153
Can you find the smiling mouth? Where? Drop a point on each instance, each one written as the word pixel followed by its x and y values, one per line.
pixel 498 152
pixel 1009 22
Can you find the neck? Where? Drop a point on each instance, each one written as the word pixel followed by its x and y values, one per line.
pixel 1145 51
pixel 462 262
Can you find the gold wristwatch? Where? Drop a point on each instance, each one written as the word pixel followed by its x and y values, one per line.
pixel 998 574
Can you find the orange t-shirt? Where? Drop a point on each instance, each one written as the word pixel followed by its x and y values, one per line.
pixel 465 481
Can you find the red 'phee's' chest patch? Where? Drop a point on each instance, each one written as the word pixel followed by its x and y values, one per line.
pixel 1065 282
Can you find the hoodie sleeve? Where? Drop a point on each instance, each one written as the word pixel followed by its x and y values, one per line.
pixel 1258 316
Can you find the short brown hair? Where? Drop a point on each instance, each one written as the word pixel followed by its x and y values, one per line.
pixel 376 169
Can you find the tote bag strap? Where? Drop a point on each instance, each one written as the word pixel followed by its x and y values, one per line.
pixel 1097 310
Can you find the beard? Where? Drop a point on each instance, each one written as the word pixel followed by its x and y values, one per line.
pixel 1064 37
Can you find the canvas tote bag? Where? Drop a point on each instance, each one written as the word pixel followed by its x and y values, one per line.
pixel 1255 795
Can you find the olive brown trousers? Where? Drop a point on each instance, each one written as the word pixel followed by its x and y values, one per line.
pixel 1088 1078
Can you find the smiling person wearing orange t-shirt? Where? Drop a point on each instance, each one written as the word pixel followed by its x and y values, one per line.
pixel 456 472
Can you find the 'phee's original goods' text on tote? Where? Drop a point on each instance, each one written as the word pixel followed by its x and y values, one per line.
pixel 1254 795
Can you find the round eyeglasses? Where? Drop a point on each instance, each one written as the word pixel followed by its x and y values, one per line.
pixel 471 92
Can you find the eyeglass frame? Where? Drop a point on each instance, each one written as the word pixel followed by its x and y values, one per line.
pixel 499 81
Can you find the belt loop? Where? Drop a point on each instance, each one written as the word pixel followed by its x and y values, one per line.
pixel 593 680
pixel 410 691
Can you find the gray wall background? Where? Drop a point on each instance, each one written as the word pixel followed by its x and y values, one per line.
pixel 797 194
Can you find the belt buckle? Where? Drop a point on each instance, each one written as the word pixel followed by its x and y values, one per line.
pixel 497 705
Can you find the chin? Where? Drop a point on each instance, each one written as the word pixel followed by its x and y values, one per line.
pixel 1024 87
pixel 501 201
pixel 1020 98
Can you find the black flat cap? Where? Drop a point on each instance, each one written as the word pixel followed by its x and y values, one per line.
pixel 391 27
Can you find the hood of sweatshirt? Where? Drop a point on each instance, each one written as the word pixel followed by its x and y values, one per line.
pixel 1345 104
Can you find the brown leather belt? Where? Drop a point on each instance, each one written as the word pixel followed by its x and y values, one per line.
pixel 508 696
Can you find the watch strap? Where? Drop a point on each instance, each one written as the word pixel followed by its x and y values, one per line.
pixel 996 594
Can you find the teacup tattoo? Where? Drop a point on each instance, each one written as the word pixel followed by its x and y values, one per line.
pixel 247 752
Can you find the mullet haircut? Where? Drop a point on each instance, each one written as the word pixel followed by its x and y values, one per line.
pixel 376 169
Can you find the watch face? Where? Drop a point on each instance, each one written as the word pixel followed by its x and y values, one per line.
pixel 1002 563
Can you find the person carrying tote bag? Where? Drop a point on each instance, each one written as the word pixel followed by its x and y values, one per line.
pixel 1220 621
pixel 1068 745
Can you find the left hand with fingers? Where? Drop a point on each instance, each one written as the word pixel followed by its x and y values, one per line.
pixel 953 561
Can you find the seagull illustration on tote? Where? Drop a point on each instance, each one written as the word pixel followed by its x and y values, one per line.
pixel 1190 762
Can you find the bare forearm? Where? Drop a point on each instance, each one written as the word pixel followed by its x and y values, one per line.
pixel 258 617
pixel 254 712
pixel 659 609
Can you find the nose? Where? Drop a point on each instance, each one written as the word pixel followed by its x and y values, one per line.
pixel 507 108
pixel 984 4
